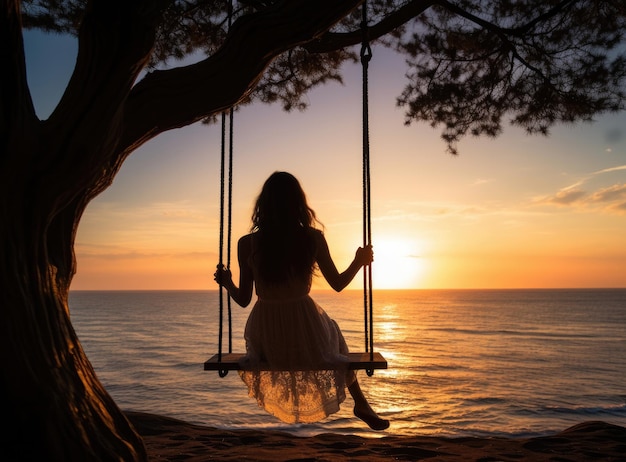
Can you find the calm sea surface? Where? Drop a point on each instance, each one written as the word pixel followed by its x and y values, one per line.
pixel 461 362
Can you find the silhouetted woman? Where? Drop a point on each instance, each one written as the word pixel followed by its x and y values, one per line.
pixel 287 331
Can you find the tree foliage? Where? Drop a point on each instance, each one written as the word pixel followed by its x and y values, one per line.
pixel 471 65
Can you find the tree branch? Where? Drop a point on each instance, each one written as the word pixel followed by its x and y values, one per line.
pixel 115 41
pixel 517 31
pixel 174 98
pixel 332 41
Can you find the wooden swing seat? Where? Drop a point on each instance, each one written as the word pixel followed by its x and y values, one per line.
pixel 362 360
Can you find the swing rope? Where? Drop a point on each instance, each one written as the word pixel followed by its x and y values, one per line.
pixel 368 305
pixel 368 360
pixel 224 372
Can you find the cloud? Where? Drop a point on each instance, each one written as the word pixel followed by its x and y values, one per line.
pixel 611 199
pixel 610 169
pixel 619 208
pixel 615 193
pixel 114 252
pixel 566 197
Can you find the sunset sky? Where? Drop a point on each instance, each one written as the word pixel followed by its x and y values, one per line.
pixel 511 212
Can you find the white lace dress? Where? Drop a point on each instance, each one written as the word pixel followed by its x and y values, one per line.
pixel 288 333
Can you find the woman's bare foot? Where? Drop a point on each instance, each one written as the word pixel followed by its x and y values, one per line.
pixel 371 419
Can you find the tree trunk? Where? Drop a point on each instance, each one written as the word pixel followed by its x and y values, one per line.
pixel 53 405
pixel 54 408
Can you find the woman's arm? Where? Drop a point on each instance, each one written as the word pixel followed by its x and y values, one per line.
pixel 242 294
pixel 338 281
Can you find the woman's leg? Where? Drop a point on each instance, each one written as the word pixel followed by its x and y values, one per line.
pixel 362 408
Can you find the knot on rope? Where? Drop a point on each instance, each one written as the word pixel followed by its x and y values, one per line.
pixel 366 50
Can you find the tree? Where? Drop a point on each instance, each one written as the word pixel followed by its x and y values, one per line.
pixel 471 64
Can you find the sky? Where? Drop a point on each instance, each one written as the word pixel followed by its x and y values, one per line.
pixel 517 211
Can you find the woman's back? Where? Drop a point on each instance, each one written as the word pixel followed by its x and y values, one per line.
pixel 283 262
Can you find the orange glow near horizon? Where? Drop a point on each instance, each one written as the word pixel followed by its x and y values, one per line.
pixel 398 264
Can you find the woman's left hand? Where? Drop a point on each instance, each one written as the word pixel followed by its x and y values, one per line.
pixel 223 276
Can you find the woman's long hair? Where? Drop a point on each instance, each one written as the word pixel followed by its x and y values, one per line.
pixel 282 222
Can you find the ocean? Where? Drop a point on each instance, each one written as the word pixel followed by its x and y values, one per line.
pixel 510 363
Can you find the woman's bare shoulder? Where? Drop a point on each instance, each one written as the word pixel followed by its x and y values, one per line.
pixel 317 235
pixel 316 232
pixel 246 241
pixel 318 238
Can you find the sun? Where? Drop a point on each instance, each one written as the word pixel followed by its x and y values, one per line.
pixel 398 263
